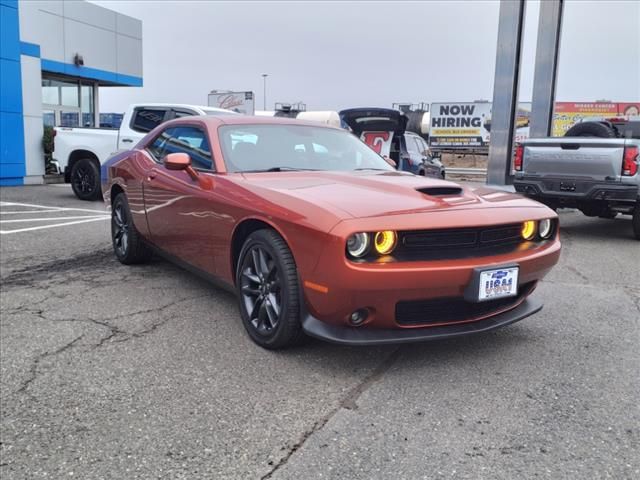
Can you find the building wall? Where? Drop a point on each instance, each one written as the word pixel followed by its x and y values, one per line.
pixel 45 36
pixel 12 155
pixel 109 42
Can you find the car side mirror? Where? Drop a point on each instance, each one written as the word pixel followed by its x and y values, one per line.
pixel 180 161
pixel 177 161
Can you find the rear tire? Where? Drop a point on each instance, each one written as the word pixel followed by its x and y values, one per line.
pixel 269 291
pixel 636 221
pixel 85 179
pixel 128 244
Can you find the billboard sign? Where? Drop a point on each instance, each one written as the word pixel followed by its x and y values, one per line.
pixel 240 102
pixel 468 125
pixel 567 114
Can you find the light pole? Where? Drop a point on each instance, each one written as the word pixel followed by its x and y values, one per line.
pixel 264 90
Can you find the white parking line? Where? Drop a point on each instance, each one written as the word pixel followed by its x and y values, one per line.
pixel 5 232
pixel 45 219
pixel 98 215
pixel 27 212
pixel 60 209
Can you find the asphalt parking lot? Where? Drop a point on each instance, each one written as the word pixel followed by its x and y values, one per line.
pixel 119 372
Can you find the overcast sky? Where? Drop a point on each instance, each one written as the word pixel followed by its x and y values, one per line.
pixel 332 55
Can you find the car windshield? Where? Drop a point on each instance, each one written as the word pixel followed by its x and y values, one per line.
pixel 259 148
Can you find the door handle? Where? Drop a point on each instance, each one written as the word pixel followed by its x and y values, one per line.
pixel 151 176
pixel 127 140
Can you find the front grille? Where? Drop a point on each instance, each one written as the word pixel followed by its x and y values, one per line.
pixel 458 242
pixel 454 309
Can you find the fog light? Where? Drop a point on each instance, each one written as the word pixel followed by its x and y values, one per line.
pixel 358 317
pixel 528 229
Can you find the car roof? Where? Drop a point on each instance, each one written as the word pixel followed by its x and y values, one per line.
pixel 180 105
pixel 213 121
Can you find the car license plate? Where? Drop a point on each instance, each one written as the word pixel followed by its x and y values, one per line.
pixel 499 283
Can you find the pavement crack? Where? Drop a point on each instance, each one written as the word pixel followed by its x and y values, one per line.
pixel 33 371
pixel 348 402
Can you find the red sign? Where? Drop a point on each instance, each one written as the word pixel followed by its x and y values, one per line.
pixel 376 140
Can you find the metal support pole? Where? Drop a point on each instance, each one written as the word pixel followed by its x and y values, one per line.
pixel 264 90
pixel 546 67
pixel 505 91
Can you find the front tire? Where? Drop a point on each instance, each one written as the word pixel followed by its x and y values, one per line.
pixel 128 244
pixel 268 291
pixel 85 179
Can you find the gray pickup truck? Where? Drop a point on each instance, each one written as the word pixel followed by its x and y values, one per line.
pixel 595 168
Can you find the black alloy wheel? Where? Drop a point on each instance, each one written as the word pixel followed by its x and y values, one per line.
pixel 120 230
pixel 128 244
pixel 261 290
pixel 268 291
pixel 85 179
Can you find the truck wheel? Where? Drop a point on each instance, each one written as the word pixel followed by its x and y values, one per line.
pixel 636 221
pixel 591 129
pixel 85 179
pixel 608 214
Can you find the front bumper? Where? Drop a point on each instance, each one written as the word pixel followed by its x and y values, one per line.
pixel 367 336
pixel 337 287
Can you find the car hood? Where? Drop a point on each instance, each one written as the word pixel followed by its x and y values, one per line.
pixel 363 194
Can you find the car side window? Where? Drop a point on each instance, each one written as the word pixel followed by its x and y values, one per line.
pixel 412 146
pixel 422 146
pixel 146 119
pixel 186 139
pixel 157 146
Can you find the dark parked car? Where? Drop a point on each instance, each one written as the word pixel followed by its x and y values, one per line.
pixel 385 131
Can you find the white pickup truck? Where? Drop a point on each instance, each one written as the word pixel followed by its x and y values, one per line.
pixel 79 152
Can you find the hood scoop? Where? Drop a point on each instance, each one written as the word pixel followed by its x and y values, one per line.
pixel 440 191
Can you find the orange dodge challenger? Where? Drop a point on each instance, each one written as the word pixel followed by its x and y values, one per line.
pixel 318 235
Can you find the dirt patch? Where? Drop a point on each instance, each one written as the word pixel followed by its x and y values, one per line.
pixel 464 161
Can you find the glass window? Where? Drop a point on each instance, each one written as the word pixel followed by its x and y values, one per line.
pixel 49 118
pixel 69 119
pixel 182 113
pixel 157 147
pixel 87 108
pixel 295 147
pixel 69 94
pixel 412 146
pixel 50 92
pixel 189 140
pixel 146 119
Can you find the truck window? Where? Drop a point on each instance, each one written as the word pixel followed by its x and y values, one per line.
pixel 146 119
pixel 183 113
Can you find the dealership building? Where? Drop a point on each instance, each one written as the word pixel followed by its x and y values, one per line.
pixel 55 55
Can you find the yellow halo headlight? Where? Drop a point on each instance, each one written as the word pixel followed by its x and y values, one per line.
pixel 385 242
pixel 528 230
